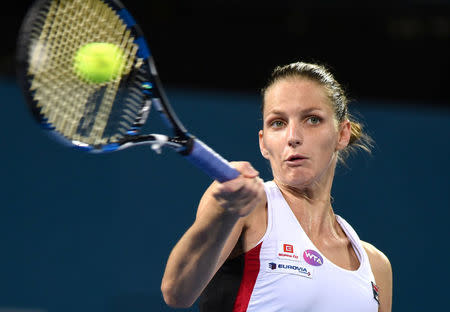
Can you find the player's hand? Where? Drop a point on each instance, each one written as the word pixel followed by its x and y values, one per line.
pixel 241 195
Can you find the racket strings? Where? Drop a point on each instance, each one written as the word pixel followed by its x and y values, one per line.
pixel 79 110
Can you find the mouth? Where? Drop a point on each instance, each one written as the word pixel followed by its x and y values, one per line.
pixel 296 159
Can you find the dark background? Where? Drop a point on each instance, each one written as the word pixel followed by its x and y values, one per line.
pixel 81 232
pixel 382 49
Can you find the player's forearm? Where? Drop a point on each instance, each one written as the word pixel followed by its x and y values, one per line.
pixel 194 260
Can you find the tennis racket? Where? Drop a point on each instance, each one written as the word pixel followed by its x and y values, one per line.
pixel 99 117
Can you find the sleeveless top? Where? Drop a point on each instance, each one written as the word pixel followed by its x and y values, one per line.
pixel 286 272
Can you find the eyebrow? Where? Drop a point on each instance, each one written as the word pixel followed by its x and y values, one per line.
pixel 305 111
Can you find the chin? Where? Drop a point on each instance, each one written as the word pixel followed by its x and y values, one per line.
pixel 298 180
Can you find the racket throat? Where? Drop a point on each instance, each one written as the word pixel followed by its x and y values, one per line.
pixel 179 144
pixel 182 145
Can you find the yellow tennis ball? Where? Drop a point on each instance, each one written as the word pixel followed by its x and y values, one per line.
pixel 99 62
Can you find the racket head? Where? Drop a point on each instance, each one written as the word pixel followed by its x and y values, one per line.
pixel 95 117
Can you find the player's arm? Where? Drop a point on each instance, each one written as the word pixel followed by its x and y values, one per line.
pixel 382 270
pixel 209 241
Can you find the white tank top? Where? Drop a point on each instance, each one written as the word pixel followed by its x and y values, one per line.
pixel 286 272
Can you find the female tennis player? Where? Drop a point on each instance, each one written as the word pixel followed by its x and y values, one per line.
pixel 278 246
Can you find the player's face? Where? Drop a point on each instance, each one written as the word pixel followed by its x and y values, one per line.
pixel 300 136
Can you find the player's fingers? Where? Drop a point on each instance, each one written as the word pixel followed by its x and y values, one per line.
pixel 239 187
pixel 245 168
pixel 231 186
pixel 257 189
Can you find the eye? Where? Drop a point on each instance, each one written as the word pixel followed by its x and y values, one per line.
pixel 276 123
pixel 314 120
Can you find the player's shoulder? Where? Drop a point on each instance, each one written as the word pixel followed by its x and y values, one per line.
pixel 382 272
pixel 377 258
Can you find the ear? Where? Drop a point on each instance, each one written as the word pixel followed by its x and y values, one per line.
pixel 344 135
pixel 262 148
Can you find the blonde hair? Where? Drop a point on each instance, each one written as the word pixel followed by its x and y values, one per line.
pixel 320 74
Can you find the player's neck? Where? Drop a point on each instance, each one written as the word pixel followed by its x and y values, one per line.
pixel 312 205
pixel 316 216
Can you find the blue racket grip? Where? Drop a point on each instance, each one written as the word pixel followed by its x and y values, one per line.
pixel 204 158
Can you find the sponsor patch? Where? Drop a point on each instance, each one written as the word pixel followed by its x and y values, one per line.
pixel 288 248
pixel 287 267
pixel 312 257
pixel 287 251
pixel 375 292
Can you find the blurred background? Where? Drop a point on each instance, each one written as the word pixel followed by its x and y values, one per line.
pixel 82 232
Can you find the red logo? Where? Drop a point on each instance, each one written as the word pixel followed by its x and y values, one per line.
pixel 288 248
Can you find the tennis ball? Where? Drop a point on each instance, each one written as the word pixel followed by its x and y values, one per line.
pixel 99 62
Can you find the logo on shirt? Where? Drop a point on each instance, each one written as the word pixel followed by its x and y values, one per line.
pixel 312 257
pixel 288 268
pixel 375 292
pixel 288 248
pixel 287 252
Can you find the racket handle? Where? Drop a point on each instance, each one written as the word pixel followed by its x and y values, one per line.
pixel 214 165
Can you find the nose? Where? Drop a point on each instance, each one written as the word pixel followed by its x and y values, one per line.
pixel 295 137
